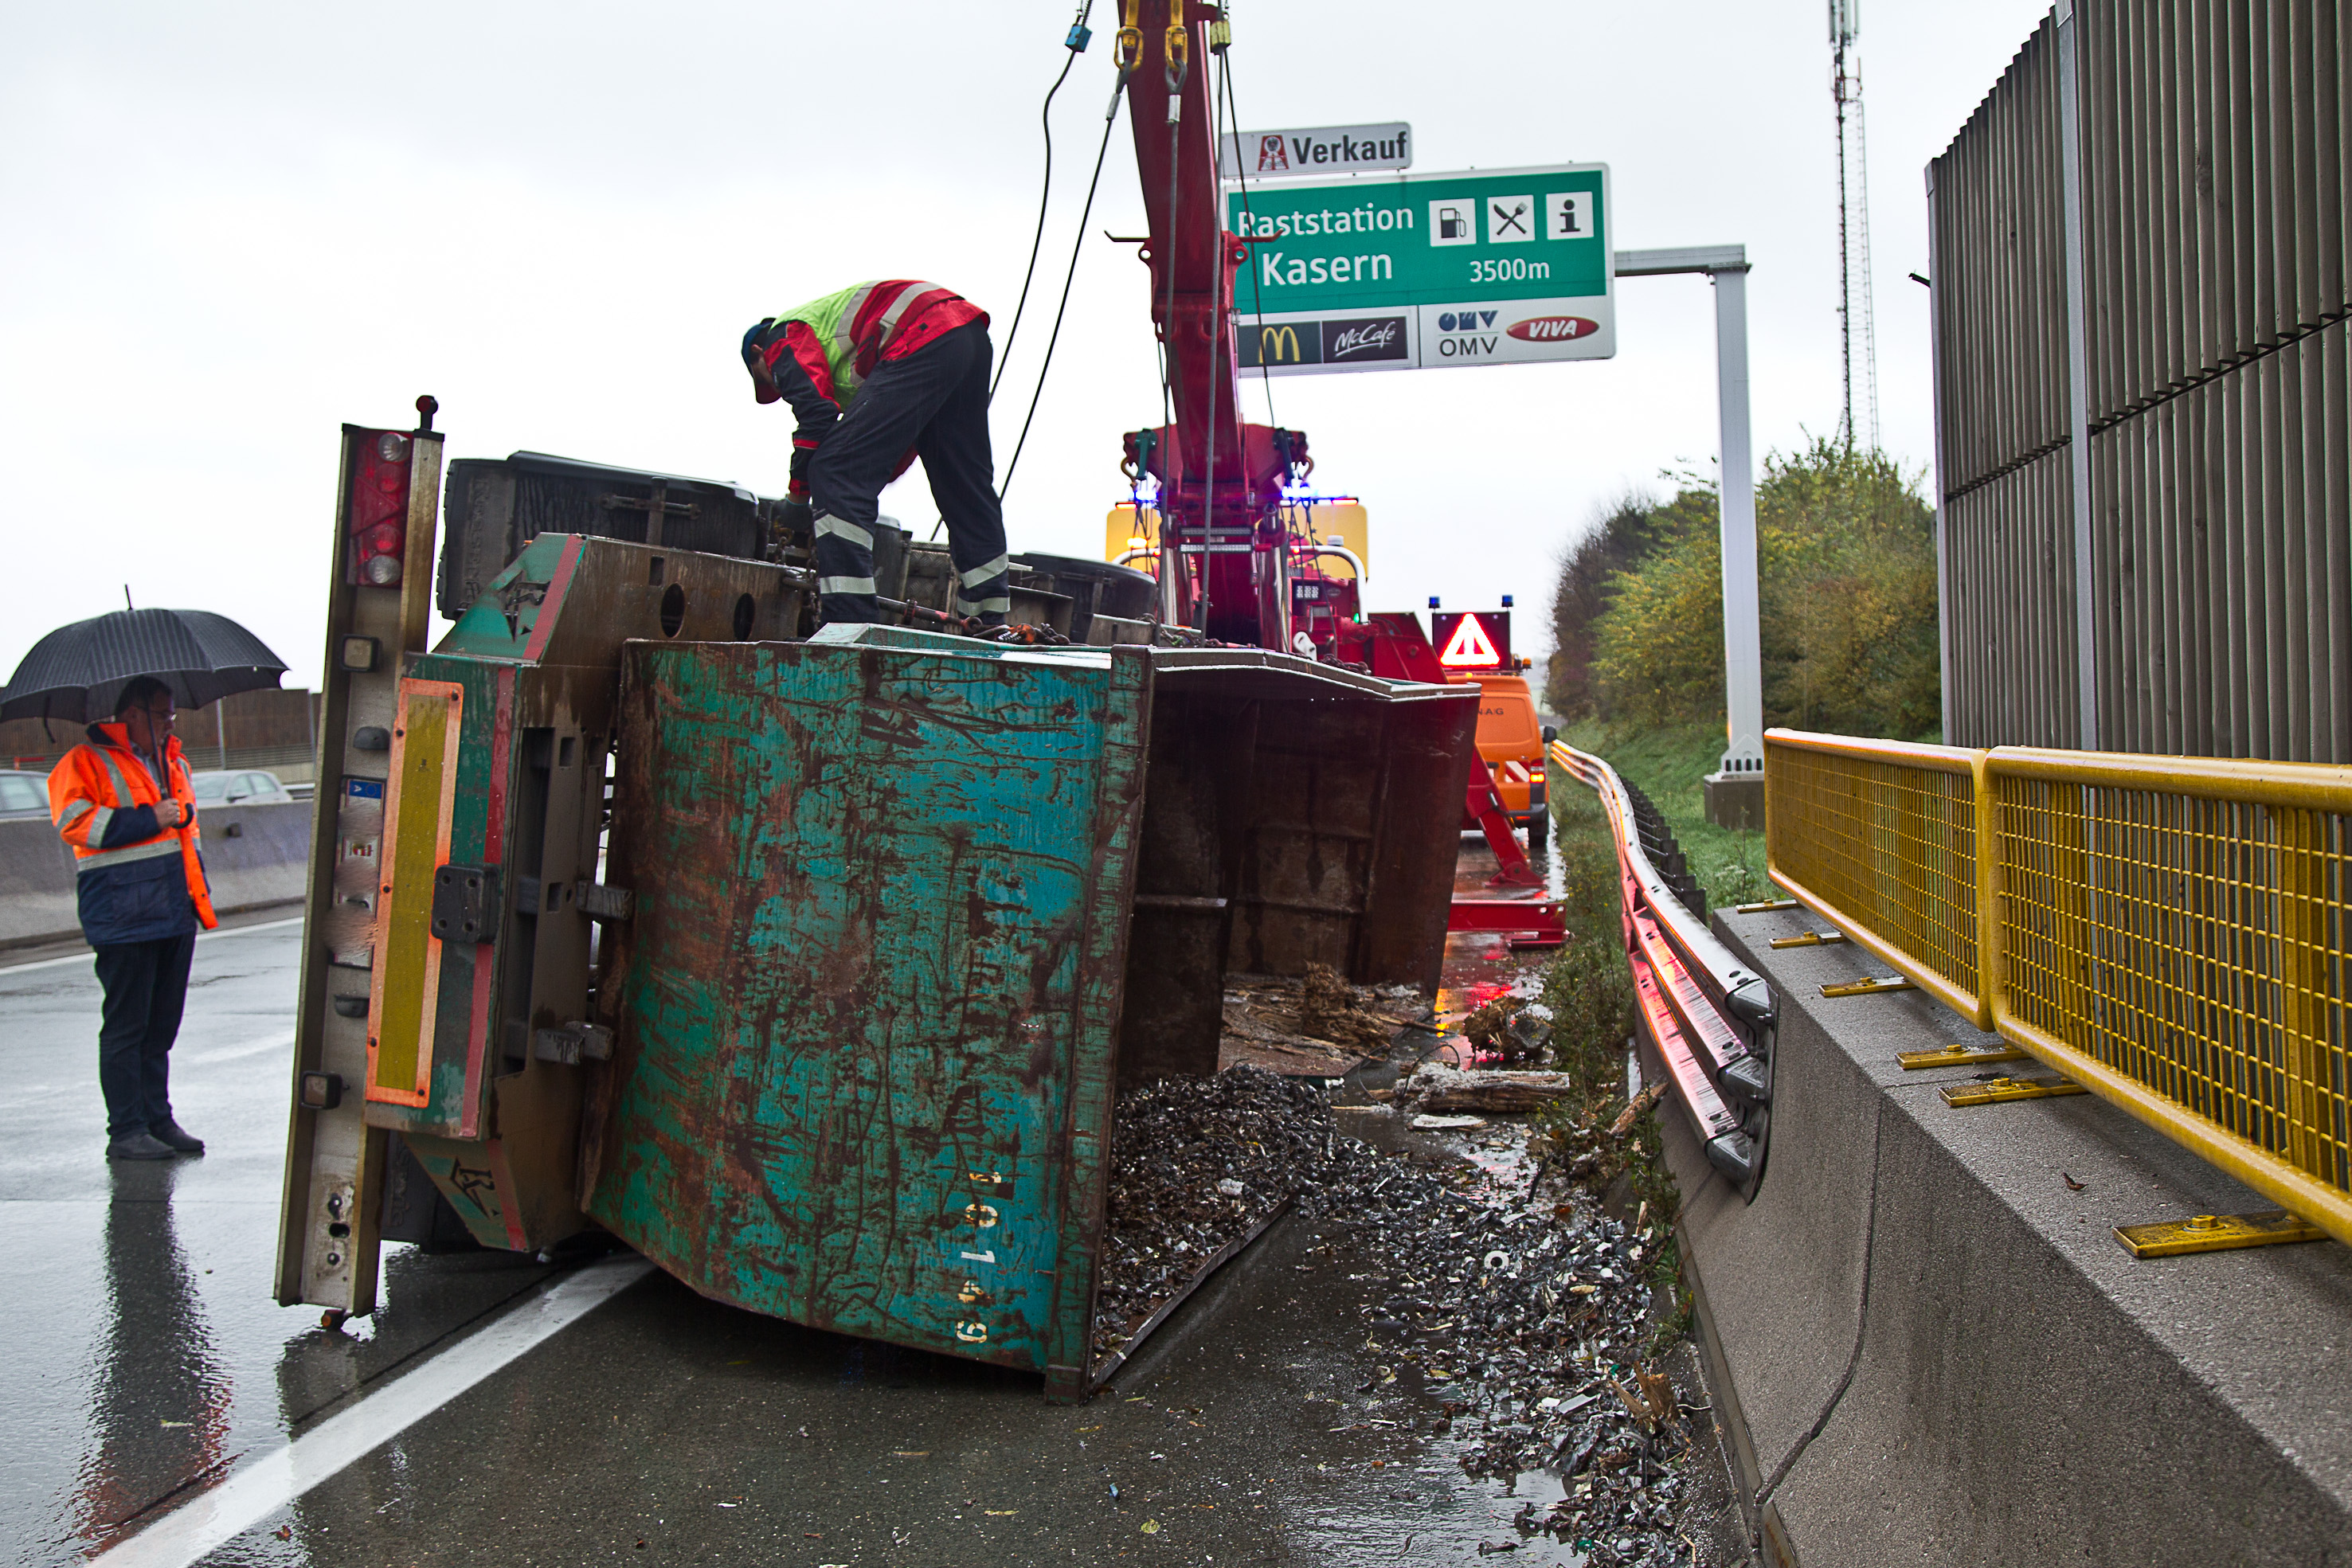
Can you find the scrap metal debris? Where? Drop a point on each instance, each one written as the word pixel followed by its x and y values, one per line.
pixel 1195 1162
pixel 1528 1316
pixel 1509 1319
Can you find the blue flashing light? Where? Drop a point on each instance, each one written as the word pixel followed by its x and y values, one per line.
pixel 1432 602
pixel 1506 601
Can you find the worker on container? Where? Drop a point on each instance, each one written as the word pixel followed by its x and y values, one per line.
pixel 125 803
pixel 878 375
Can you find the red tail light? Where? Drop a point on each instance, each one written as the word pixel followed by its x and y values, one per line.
pixel 375 513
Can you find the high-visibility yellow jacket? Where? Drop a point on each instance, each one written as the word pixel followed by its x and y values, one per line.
pixel 136 881
pixel 820 353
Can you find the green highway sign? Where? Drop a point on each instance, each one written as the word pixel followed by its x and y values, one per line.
pixel 1400 272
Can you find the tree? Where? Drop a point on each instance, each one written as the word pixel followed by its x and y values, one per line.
pixel 1846 583
pixel 1617 539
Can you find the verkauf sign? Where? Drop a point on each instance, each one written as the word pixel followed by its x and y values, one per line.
pixel 1324 149
pixel 1396 272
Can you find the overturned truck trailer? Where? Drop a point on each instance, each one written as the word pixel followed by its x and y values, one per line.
pixel 811 966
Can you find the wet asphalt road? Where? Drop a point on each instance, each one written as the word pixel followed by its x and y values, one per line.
pixel 146 1363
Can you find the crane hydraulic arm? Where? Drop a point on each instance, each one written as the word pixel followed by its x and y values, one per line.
pixel 1225 565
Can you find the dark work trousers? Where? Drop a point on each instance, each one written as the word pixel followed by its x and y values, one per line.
pixel 935 401
pixel 146 986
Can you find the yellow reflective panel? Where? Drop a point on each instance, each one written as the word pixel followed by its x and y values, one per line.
pixel 406 983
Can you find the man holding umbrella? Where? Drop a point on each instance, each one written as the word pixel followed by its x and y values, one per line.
pixel 125 803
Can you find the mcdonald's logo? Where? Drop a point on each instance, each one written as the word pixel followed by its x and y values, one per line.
pixel 1281 343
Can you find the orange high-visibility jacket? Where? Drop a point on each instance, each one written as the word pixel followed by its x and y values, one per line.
pixel 129 872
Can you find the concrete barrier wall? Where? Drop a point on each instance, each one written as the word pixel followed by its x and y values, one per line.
pixel 256 855
pixel 1929 1347
pixel 36 883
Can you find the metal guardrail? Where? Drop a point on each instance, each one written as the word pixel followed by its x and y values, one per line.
pixel 2168 932
pixel 1710 1017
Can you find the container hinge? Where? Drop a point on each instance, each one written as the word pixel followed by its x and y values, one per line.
pixel 465 903
pixel 598 902
pixel 573 1043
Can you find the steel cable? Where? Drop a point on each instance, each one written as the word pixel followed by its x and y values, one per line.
pixel 1045 191
pixel 1110 119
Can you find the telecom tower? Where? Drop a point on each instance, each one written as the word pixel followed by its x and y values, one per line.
pixel 1853 223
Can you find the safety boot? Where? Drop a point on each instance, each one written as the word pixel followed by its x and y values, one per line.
pixel 177 1138
pixel 139 1146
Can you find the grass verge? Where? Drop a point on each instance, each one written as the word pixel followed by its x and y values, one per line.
pixel 1590 993
pixel 1670 763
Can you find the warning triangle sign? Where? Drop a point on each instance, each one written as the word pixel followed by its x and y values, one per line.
pixel 1469 646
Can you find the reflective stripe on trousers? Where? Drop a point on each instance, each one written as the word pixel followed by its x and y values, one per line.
pixel 837 528
pixel 845 570
pixel 982 589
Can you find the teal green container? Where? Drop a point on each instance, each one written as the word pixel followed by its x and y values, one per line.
pixel 863 1070
pixel 877 995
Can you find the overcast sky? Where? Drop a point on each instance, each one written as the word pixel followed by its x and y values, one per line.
pixel 232 227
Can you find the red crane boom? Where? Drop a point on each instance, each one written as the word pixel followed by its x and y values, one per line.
pixel 1225 561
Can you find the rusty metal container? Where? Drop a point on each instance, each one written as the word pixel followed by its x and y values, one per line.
pixel 909 909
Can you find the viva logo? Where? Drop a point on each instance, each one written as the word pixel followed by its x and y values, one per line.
pixel 1552 328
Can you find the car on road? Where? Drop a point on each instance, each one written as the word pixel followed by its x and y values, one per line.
pixel 23 794
pixel 239 787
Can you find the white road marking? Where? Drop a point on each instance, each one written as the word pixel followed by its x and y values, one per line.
pixel 84 956
pixel 252 1494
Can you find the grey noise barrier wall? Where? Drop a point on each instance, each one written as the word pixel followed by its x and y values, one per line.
pixel 1928 1347
pixel 255 856
pixel 2141 256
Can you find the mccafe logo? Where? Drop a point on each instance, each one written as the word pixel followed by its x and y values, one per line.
pixel 1365 339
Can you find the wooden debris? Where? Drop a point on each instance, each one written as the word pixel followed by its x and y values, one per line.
pixel 1633 1109
pixel 1497 1093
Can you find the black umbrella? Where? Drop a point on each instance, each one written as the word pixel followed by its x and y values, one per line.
pixel 77 671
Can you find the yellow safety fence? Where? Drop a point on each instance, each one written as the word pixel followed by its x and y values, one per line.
pixel 2168 932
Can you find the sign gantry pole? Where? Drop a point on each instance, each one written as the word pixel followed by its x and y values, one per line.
pixel 1735 793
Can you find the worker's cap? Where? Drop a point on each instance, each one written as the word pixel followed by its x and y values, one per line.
pixel 755 341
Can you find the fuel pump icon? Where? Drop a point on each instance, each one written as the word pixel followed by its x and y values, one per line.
pixel 1450 225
